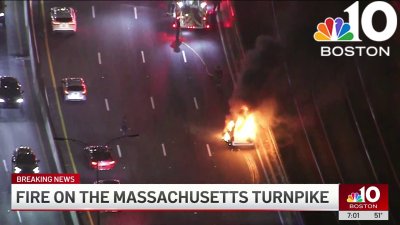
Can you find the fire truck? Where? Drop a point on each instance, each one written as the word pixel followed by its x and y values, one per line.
pixel 191 14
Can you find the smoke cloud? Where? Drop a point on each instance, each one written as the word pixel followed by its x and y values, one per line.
pixel 261 65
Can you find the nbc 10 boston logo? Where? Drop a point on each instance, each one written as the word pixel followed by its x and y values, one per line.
pixel 363 197
pixel 337 30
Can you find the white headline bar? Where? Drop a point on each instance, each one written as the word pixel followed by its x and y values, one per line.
pixel 295 197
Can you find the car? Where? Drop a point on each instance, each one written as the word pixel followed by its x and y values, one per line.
pixel 100 157
pixel 63 19
pixel 240 131
pixel 110 181
pixel 74 89
pixel 25 161
pixel 10 92
pixel 2 12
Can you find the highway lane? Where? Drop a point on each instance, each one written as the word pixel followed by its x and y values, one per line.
pixel 319 85
pixel 20 127
pixel 130 63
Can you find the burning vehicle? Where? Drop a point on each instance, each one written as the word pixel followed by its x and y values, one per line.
pixel 240 131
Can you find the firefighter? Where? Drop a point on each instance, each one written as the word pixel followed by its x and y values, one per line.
pixel 124 125
pixel 217 4
pixel 178 30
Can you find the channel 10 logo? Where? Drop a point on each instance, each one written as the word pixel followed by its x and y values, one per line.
pixel 363 197
pixel 338 30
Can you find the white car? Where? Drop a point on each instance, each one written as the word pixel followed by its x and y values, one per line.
pixel 74 89
pixel 63 19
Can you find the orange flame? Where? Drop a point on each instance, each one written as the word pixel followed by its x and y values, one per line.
pixel 241 129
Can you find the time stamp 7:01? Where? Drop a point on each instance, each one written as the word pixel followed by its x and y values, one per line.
pixel 363 215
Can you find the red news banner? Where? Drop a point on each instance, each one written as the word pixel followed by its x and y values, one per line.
pixel 50 178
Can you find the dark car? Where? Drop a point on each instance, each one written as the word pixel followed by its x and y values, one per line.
pixel 24 161
pixel 10 92
pixel 2 12
pixel 100 157
pixel 112 181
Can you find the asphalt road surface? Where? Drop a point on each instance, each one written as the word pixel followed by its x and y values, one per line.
pixel 125 53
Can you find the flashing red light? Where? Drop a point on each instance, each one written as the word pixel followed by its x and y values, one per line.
pixel 208 26
pixel 174 25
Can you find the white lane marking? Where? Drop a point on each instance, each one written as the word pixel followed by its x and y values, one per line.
pixel 99 57
pixel 152 102
pixel 93 12
pixel 195 103
pixel 135 11
pixel 5 165
pixel 163 150
pixel 107 106
pixel 46 96
pixel 208 150
pixel 119 151
pixel 19 217
pixel 143 59
pixel 184 56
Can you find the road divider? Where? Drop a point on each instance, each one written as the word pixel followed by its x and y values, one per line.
pixel 107 106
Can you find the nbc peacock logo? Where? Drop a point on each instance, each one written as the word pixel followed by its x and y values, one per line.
pixel 354 197
pixel 337 31
pixel 333 30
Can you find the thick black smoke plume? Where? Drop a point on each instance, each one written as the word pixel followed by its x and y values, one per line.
pixel 261 65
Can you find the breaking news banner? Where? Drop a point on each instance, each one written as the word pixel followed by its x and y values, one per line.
pixel 50 192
